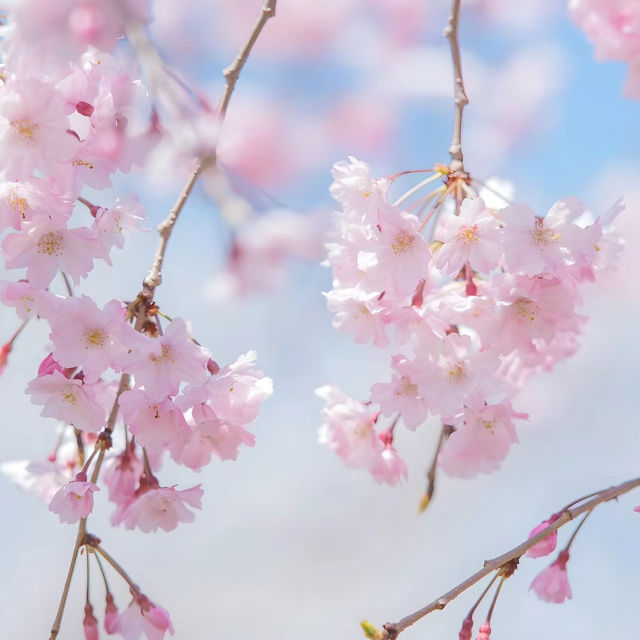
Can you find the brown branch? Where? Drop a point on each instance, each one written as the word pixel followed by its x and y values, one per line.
pixel 82 526
pixel 165 228
pixel 445 432
pixel 392 630
pixel 82 532
pixel 232 72
pixel 460 95
pixel 154 279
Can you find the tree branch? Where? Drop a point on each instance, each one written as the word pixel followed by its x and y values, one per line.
pixel 154 279
pixel 460 95
pixel 165 228
pixel 392 630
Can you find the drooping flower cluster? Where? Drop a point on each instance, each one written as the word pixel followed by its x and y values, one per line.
pixel 71 117
pixel 470 315
pixel 613 27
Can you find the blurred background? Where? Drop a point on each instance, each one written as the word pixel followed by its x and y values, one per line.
pixel 291 544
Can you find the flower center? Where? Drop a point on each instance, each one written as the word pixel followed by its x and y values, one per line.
pixel 166 356
pixel 407 388
pixel 402 242
pixel 468 235
pixel 94 337
pixel 541 236
pixel 25 129
pixel 457 373
pixel 70 397
pixel 51 244
pixel 524 309
pixel 18 204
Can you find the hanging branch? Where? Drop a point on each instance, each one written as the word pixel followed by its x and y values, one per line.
pixel 391 631
pixel 165 228
pixel 154 278
pixel 460 95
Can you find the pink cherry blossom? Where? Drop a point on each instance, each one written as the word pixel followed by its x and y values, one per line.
pixel 356 190
pixel 211 436
pixel 235 393
pixel 74 500
pixel 71 401
pixel 162 364
pixel 122 475
pixel 33 129
pixel 144 617
pixel 389 468
pixel 402 394
pixel 535 245
pixel 85 336
pixel 472 236
pixel 349 432
pixel 359 312
pixel 457 373
pixel 20 201
pixel 398 257
pixel 46 246
pixel 613 26
pixel 111 223
pixel 482 439
pixel 552 584
pixel 161 508
pixel 547 544
pixel 23 296
pixel 155 424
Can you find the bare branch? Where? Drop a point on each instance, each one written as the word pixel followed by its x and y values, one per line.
pixel 392 630
pixel 165 228
pixel 460 95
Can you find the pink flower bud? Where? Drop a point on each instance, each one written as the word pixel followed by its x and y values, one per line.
pixel 111 618
pixel 467 628
pixel 547 544
pixel 485 632
pixel 84 108
pixel 5 350
pixel 90 624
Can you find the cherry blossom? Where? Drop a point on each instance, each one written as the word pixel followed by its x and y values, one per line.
pixel 84 335
pixel 45 247
pixel 473 236
pixel 482 439
pixel 144 617
pixel 162 364
pixel 160 508
pixel 74 500
pixel 552 584
pixel 470 316
pixel 69 400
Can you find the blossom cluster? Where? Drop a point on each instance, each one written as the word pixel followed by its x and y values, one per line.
pixel 613 27
pixel 70 119
pixel 469 315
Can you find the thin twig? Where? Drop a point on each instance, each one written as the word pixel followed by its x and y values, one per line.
pixel 445 432
pixel 460 95
pixel 125 576
pixel 82 526
pixel 82 532
pixel 154 279
pixel 67 283
pixel 165 228
pixel 417 187
pixel 392 630
pixel 232 72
